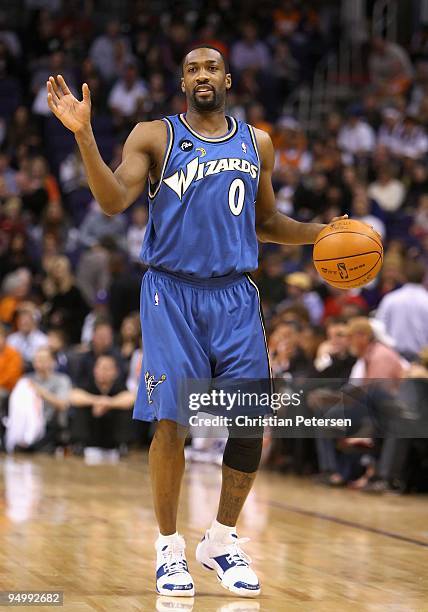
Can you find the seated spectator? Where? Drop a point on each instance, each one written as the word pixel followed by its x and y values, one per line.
pixel 134 375
pixel 103 409
pixel 8 186
pixel 333 359
pixel 22 131
pixel 127 96
pixel 97 225
pixel 15 289
pixel 130 336
pixel 374 359
pixel 287 358
pixel 37 407
pixel 104 50
pixel 136 232
pixel 391 71
pixel 410 138
pixel 81 363
pixel 420 221
pixel 361 210
pixel 250 51
pixel 418 183
pixel 387 134
pixel 386 190
pixel 299 291
pixel 65 307
pixel 291 148
pixel 356 137
pixel 404 312
pixel 11 365
pixel 28 338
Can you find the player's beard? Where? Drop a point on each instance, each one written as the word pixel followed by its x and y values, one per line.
pixel 213 103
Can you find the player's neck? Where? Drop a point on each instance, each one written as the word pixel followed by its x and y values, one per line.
pixel 210 124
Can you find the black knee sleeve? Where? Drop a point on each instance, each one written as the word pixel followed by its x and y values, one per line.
pixel 243 453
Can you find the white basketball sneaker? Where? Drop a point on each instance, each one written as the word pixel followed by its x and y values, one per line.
pixel 172 574
pixel 230 563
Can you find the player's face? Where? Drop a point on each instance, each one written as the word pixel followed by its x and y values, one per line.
pixel 205 81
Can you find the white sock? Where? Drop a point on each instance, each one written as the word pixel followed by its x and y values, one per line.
pixel 220 531
pixel 167 539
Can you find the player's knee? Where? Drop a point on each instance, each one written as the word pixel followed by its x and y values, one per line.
pixel 170 434
pixel 243 453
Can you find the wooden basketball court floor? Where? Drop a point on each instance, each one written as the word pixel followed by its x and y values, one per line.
pixel 89 531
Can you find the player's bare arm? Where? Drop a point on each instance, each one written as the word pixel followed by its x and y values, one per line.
pixel 142 152
pixel 271 224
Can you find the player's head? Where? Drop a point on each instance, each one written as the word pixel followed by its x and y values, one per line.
pixel 205 79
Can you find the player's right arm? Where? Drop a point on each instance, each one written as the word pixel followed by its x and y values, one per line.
pixel 114 191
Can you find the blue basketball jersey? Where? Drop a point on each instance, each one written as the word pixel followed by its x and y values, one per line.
pixel 202 211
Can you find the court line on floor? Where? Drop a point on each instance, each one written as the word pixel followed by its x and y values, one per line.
pixel 346 523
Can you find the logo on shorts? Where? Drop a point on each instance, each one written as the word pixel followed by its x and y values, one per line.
pixel 151 384
pixel 185 145
pixel 156 299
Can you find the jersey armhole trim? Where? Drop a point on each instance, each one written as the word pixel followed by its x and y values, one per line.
pixel 256 149
pixel 165 159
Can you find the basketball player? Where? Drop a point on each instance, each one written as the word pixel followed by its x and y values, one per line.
pixel 210 198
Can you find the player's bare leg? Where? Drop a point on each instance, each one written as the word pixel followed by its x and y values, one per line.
pixel 235 487
pixel 166 462
pixel 219 549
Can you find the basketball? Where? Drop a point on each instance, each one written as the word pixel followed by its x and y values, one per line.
pixel 348 254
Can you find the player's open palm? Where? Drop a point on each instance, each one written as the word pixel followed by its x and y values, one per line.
pixel 74 114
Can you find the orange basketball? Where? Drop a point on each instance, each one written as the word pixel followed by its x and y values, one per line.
pixel 348 254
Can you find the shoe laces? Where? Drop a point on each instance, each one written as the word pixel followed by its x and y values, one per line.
pixel 236 556
pixel 174 559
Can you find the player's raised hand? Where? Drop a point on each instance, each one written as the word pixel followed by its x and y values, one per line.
pixel 74 114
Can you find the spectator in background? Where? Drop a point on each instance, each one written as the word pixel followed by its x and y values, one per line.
pixel 127 96
pixel 15 289
pixel 102 410
pixel 93 274
pixel 81 363
pixel 28 338
pixel 8 186
pixel 136 232
pixel 37 407
pixel 404 312
pixel 387 134
pixel 374 359
pixel 65 306
pixel 124 289
pixel 356 137
pixel 11 365
pixel 361 210
pixel 288 359
pixel 391 71
pixel 387 191
pixel 106 47
pixel 410 139
pixel 299 291
pixel 130 336
pixel 97 225
pixel 249 51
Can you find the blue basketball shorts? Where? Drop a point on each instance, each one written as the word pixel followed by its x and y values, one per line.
pixel 196 329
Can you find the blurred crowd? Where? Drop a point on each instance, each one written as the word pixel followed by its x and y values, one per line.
pixel 70 276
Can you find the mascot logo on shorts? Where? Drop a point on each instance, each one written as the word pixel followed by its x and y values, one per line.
pixel 151 384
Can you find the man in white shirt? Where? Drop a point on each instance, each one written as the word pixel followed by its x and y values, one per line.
pixel 128 93
pixel 405 312
pixel 387 191
pixel 28 338
pixel 356 137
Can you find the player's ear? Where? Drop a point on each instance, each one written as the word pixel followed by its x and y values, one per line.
pixel 183 88
pixel 228 81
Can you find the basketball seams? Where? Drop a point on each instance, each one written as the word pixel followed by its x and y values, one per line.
pixel 348 256
pixel 349 232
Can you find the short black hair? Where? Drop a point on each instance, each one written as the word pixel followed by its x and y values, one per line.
pixel 196 47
